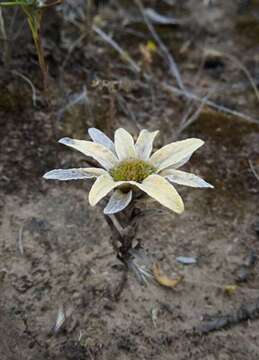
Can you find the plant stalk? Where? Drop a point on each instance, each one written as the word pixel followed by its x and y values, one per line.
pixel 34 20
pixel 124 229
pixel 6 52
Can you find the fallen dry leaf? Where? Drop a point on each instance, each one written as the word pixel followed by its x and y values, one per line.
pixel 147 52
pixel 230 289
pixel 165 280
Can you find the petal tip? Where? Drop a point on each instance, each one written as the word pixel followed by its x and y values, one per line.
pixel 207 185
pixel 66 141
pixel 180 206
pixel 199 141
pixel 48 175
pixel 181 209
pixel 91 201
pixel 91 130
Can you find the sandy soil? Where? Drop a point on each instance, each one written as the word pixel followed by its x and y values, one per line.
pixel 55 249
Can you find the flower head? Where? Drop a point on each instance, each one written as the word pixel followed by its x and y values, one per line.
pixel 127 165
pixel 133 169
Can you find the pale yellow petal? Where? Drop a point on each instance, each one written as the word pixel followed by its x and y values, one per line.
pixel 95 171
pixel 73 174
pixel 124 145
pixel 97 151
pixel 173 153
pixel 181 162
pixel 99 137
pixel 162 191
pixel 144 144
pixel 118 202
pixel 184 178
pixel 102 186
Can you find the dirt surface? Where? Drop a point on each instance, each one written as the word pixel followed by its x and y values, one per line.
pixel 55 250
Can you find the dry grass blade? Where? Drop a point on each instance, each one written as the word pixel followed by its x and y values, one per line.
pixel 139 264
pixel 142 274
pixel 6 50
pixel 233 59
pixel 125 56
pixel 33 89
pixel 172 64
pixel 189 120
pixel 73 46
pixel 191 96
pixel 3 273
pixel 154 315
pixel 78 98
pixel 252 167
pixel 60 320
pixel 20 240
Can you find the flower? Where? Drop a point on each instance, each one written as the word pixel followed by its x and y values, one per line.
pixel 127 165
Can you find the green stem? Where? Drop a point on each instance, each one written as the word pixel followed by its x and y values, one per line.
pixel 9 3
pixel 6 52
pixel 34 20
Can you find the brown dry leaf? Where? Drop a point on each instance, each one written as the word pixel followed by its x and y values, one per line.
pixel 230 289
pixel 147 56
pixel 3 273
pixel 165 280
pixel 147 52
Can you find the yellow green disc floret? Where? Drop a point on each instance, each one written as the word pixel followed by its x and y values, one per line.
pixel 132 170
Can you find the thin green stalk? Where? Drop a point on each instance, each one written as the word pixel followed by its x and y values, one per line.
pixel 9 3
pixel 34 12
pixel 6 52
pixel 34 20
pixel 88 16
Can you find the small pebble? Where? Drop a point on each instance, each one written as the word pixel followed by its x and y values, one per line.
pixel 186 260
pixel 251 259
pixel 243 274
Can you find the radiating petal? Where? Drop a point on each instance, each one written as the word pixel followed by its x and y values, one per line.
pixel 173 153
pixel 118 202
pixel 97 151
pixel 161 190
pixel 99 137
pixel 124 145
pixel 184 178
pixel 73 174
pixel 102 186
pixel 144 144
pixel 182 162
pixel 154 185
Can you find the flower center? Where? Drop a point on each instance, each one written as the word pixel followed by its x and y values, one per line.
pixel 132 170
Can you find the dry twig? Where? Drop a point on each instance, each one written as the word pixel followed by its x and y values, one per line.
pixel 219 322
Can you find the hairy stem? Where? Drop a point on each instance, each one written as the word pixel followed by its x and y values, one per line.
pixel 124 228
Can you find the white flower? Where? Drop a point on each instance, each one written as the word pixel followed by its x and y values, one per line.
pixel 127 165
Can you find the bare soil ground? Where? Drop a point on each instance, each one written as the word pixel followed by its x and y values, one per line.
pixel 55 249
